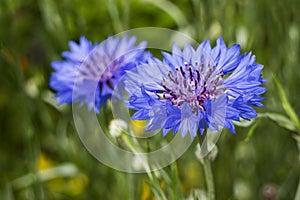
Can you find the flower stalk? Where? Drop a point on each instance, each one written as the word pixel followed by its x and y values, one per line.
pixel 209 178
pixel 206 163
pixel 297 196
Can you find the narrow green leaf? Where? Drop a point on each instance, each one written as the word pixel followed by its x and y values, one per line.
pixel 157 189
pixel 297 138
pixel 166 177
pixel 63 170
pixel 47 96
pixel 172 10
pixel 281 120
pixel 113 11
pixel 286 105
pixel 52 19
pixel 250 132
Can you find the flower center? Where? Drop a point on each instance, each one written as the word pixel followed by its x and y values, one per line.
pixel 99 67
pixel 192 85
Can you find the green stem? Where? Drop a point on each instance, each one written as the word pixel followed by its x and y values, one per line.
pixel 298 189
pixel 135 148
pixel 209 179
pixel 298 192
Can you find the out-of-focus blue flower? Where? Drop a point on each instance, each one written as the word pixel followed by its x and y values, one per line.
pixel 195 89
pixel 89 71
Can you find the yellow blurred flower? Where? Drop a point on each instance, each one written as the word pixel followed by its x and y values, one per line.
pixel 78 183
pixel 138 127
pixel 43 162
pixel 72 184
pixel 146 192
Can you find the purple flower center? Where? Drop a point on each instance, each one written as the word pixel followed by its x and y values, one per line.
pixel 192 85
pixel 99 67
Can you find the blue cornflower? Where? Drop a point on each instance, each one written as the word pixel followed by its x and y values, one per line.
pixel 89 71
pixel 195 89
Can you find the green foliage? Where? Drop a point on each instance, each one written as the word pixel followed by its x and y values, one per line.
pixel 286 105
pixel 281 120
pixel 41 156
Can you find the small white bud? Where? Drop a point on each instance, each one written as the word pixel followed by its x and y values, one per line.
pixel 117 126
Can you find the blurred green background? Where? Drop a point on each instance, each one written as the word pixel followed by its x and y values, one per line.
pixel 41 156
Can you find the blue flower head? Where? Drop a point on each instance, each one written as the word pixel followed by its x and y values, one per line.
pixel 89 71
pixel 194 89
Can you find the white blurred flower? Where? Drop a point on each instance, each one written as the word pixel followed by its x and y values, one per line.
pixel 202 152
pixel 117 126
pixel 32 86
pixel 140 163
pixel 242 36
pixel 241 189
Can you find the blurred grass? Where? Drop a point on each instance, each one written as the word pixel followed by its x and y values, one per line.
pixel 33 33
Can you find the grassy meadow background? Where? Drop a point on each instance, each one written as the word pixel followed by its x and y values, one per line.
pixel 41 155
